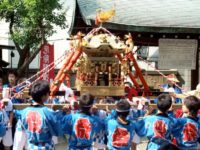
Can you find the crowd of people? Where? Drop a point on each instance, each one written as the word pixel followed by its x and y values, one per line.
pixel 89 127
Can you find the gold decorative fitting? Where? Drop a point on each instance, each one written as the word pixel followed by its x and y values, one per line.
pixel 65 71
pixel 56 82
pixel 129 43
pixel 125 67
pixel 104 16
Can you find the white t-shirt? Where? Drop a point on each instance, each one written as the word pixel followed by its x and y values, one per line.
pixel 170 90
pixel 9 106
pixel 102 114
pixel 68 92
pixel 6 111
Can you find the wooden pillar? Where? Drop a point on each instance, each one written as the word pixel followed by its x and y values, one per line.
pixel 119 70
pixel 195 74
pixel 198 65
pixel 96 75
pixel 1 54
pixel 119 75
pixel 110 75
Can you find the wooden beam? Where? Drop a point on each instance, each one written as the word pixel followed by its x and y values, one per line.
pixel 100 106
pixel 7 47
pixel 132 28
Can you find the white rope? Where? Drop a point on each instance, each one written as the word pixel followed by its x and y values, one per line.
pixel 160 73
pixel 46 68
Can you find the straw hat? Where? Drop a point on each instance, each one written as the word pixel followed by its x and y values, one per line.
pixel 172 77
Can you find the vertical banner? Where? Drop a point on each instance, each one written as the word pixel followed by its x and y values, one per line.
pixel 46 58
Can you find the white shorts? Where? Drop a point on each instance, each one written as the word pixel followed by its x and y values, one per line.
pixel 20 140
pixel 55 139
pixel 7 138
pixel 136 139
pixel 98 146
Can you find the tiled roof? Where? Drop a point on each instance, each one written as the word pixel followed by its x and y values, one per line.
pixel 146 13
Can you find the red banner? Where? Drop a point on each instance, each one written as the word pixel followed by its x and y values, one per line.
pixel 46 58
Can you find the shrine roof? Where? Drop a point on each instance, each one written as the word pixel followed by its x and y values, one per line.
pixel 161 16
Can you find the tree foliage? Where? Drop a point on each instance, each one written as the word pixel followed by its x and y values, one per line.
pixel 30 23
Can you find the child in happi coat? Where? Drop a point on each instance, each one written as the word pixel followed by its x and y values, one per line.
pixel 39 122
pixel 101 114
pixel 7 111
pixel 187 131
pixel 2 123
pixel 82 127
pixel 157 128
pixel 120 130
pixel 20 137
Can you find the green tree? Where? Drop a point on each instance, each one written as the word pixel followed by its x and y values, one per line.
pixel 30 23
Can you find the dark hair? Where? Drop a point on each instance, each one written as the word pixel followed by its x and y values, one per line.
pixel 12 72
pixel 164 102
pixel 86 101
pixel 129 83
pixel 168 146
pixel 193 105
pixel 123 108
pixel 39 89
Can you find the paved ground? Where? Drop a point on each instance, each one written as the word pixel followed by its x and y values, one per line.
pixel 63 145
pixel 142 145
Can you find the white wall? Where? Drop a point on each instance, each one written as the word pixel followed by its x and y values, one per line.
pixel 4 39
